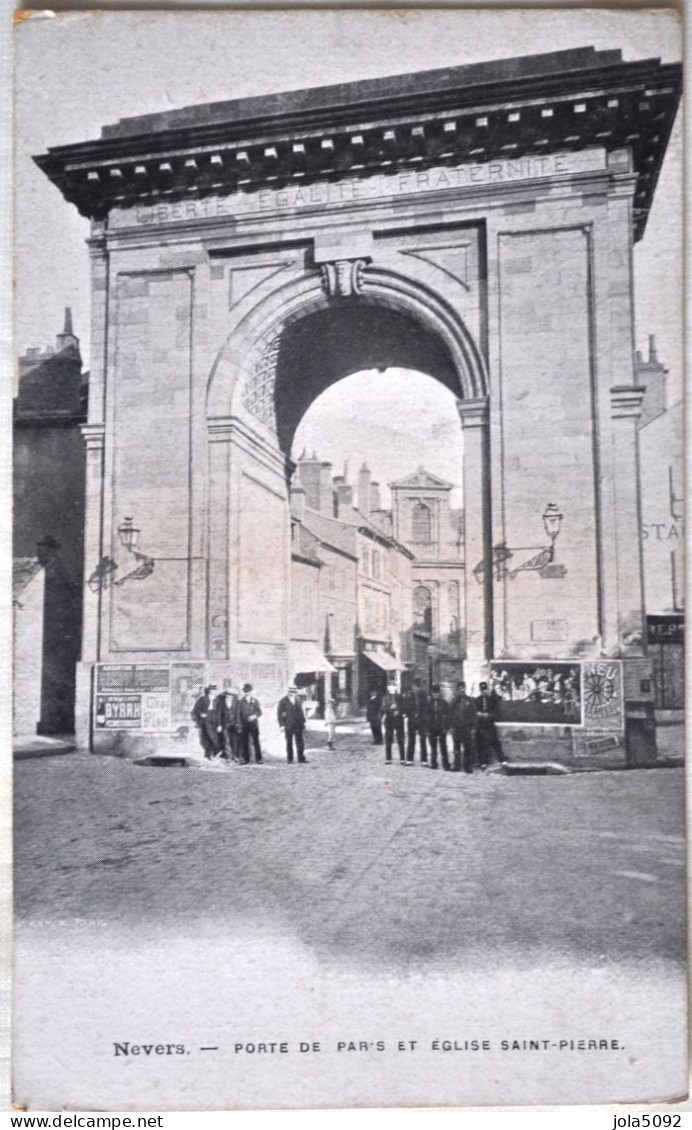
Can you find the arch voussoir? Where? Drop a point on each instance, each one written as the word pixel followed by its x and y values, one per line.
pixel 301 297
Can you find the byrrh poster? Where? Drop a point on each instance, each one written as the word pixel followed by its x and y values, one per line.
pixel 348 527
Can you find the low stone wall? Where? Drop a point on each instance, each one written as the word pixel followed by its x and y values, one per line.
pixel 570 746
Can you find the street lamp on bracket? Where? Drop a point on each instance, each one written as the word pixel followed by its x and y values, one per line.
pixel 552 520
pixel 542 561
pixel 128 534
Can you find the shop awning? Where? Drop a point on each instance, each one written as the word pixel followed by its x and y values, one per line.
pixel 307 657
pixel 384 660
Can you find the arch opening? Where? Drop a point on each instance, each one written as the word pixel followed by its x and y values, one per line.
pixel 377 471
pixel 287 352
pixel 325 346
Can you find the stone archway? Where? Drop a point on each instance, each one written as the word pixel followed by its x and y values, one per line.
pixel 290 347
pixel 503 237
pixel 372 286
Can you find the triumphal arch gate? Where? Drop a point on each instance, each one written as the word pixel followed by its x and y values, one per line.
pixel 475 223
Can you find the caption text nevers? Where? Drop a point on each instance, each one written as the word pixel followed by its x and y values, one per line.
pixel 284 1047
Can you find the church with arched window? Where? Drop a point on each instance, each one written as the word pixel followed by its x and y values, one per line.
pixel 425 522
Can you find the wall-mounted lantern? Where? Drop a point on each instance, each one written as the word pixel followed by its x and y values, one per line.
pixel 552 520
pixel 542 560
pixel 128 534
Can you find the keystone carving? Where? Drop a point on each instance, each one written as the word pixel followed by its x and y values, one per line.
pixel 342 278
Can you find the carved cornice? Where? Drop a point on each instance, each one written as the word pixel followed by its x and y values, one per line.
pixel 537 105
pixel 220 429
pixel 342 278
pixel 94 436
pixel 232 429
pixel 473 413
pixel 626 401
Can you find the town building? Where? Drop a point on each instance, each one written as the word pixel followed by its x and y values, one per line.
pixel 28 598
pixel 426 524
pixel 660 436
pixel 48 509
pixel 324 578
pixel 376 596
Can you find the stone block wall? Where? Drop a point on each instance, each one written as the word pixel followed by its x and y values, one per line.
pixel 27 640
pixel 547 438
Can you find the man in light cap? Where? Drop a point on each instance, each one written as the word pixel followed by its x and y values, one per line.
pixel 463 717
pixel 488 740
pixel 437 728
pixel 204 718
pixel 249 711
pixel 291 718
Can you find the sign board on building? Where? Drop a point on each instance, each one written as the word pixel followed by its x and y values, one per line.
pixel 187 684
pixel 119 711
pixel 665 628
pixel 602 695
pixel 603 748
pixel 132 677
pixel 132 697
pixel 549 630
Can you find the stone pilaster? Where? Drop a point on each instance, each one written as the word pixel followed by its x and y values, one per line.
pixel 477 538
pixel 218 611
pixel 625 405
pixel 96 578
pixel 99 321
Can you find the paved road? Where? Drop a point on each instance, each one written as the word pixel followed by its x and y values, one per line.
pixel 364 862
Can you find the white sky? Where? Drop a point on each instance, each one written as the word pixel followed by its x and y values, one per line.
pixel 411 420
pixel 80 70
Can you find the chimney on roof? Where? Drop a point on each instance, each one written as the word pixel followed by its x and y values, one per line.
pixel 298 503
pixel 342 493
pixel 653 375
pixel 375 500
pixel 67 337
pixel 364 490
pixel 315 478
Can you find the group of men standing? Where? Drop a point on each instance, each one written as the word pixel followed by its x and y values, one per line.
pixel 427 720
pixel 228 724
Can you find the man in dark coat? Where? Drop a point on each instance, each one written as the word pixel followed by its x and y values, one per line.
pixel 373 713
pixel 204 717
pixel 417 708
pixel 226 710
pixel 463 717
pixel 393 718
pixel 292 721
pixel 437 728
pixel 488 707
pixel 249 711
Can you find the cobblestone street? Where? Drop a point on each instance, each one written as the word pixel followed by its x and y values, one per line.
pixel 364 862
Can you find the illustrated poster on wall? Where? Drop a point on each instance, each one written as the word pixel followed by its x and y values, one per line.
pixel 132 697
pixel 602 695
pixel 535 693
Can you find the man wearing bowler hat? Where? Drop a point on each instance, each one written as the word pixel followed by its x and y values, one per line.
pixel 249 711
pixel 292 721
pixel 204 717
